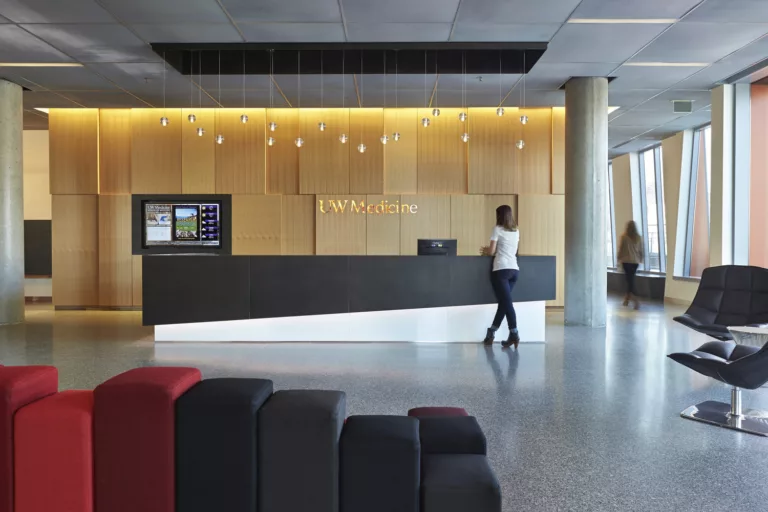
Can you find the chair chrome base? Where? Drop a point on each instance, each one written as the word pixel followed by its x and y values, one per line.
pixel 719 414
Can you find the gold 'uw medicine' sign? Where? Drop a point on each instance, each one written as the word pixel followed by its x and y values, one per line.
pixel 352 206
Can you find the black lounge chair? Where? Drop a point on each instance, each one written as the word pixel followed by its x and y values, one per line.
pixel 740 366
pixel 729 295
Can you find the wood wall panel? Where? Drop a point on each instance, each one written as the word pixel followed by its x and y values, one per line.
pixel 75 246
pixel 115 151
pixel 297 235
pixel 74 150
pixel 542 233
pixel 467 222
pixel 492 162
pixel 401 157
pixel 366 170
pixel 198 155
pixel 155 151
pixel 536 157
pixel 283 156
pixel 324 161
pixel 137 284
pixel 115 260
pixel 256 224
pixel 339 232
pixel 383 230
pixel 432 220
pixel 241 159
pixel 558 150
pixel 442 155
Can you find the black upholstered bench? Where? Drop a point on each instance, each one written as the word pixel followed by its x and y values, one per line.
pixel 459 483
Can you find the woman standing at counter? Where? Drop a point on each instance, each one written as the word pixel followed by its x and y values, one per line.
pixel 503 247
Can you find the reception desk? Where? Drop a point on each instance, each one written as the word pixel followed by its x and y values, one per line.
pixel 336 298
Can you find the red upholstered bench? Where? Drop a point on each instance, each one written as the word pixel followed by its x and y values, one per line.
pixel 54 453
pixel 19 386
pixel 426 412
pixel 134 422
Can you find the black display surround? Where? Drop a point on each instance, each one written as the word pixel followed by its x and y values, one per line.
pixel 138 246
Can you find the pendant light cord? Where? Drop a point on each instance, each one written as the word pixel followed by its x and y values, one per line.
pixel 219 78
pixel 243 79
pixel 500 79
pixel 164 73
pixel 200 84
pixel 299 80
pixel 343 79
pixel 322 91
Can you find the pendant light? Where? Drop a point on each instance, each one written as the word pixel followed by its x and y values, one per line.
pixel 500 110
pixel 200 130
pixel 192 117
pixel 385 138
pixel 272 125
pixel 436 111
pixel 219 137
pixel 299 141
pixel 361 147
pixel 396 135
pixel 244 117
pixel 164 120
pixel 321 125
pixel 343 138
pixel 520 144
pixel 425 119
pixel 463 114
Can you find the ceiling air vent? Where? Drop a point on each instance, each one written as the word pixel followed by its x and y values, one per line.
pixel 682 106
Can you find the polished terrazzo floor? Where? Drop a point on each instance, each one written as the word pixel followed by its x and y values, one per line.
pixel 588 421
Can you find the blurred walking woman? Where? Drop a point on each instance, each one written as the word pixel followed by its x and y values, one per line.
pixel 630 256
pixel 503 247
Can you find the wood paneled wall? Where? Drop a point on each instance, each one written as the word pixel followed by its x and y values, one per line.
pixel 100 158
pixel 542 232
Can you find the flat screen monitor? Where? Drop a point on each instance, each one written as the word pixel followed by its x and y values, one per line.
pixel 181 224
pixel 436 247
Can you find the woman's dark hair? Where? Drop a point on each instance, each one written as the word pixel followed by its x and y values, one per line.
pixel 505 219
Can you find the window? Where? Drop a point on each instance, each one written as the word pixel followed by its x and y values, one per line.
pixel 652 210
pixel 610 248
pixel 697 228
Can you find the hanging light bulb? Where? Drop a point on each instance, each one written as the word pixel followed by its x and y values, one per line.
pixel 500 111
pixel 243 118
pixel 321 126
pixel 219 139
pixel 271 141
pixel 343 138
pixel 464 137
pixel 396 136
pixel 191 118
pixel 361 147
pixel 299 142
pixel 523 119
pixel 200 131
pixel 435 112
pixel 424 122
pixel 520 144
pixel 164 121
pixel 462 116
pixel 272 126
pixel 384 139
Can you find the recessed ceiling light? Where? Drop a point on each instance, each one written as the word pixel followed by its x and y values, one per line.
pixel 663 21
pixel 41 109
pixel 40 65
pixel 611 110
pixel 668 64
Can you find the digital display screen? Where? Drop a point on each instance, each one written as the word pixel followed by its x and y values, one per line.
pixel 182 224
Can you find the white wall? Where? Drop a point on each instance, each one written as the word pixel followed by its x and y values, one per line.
pixel 37 192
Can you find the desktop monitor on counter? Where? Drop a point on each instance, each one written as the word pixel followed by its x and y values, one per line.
pixel 436 247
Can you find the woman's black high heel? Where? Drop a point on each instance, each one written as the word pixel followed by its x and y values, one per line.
pixel 513 339
pixel 489 336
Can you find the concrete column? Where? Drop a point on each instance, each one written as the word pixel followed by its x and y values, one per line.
pixel 586 170
pixel 11 205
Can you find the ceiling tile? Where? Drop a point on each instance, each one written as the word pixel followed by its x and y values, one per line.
pixel 625 133
pixel 632 77
pixel 631 9
pixel 663 102
pixel 17 45
pixel 143 79
pixel 400 11
pixel 45 99
pixel 4 20
pixel 95 42
pixel 683 42
pixel 166 11
pixel 53 11
pixel 689 121
pixel 516 11
pixel 637 145
pixel 489 83
pixel 289 11
pixel 185 32
pixel 398 32
pixel 707 78
pixel 746 11
pixel 538 99
pixel 552 76
pixel 64 79
pixel 628 98
pixel 644 118
pixel 292 32
pixel 530 32
pixel 599 42
pixel 105 99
